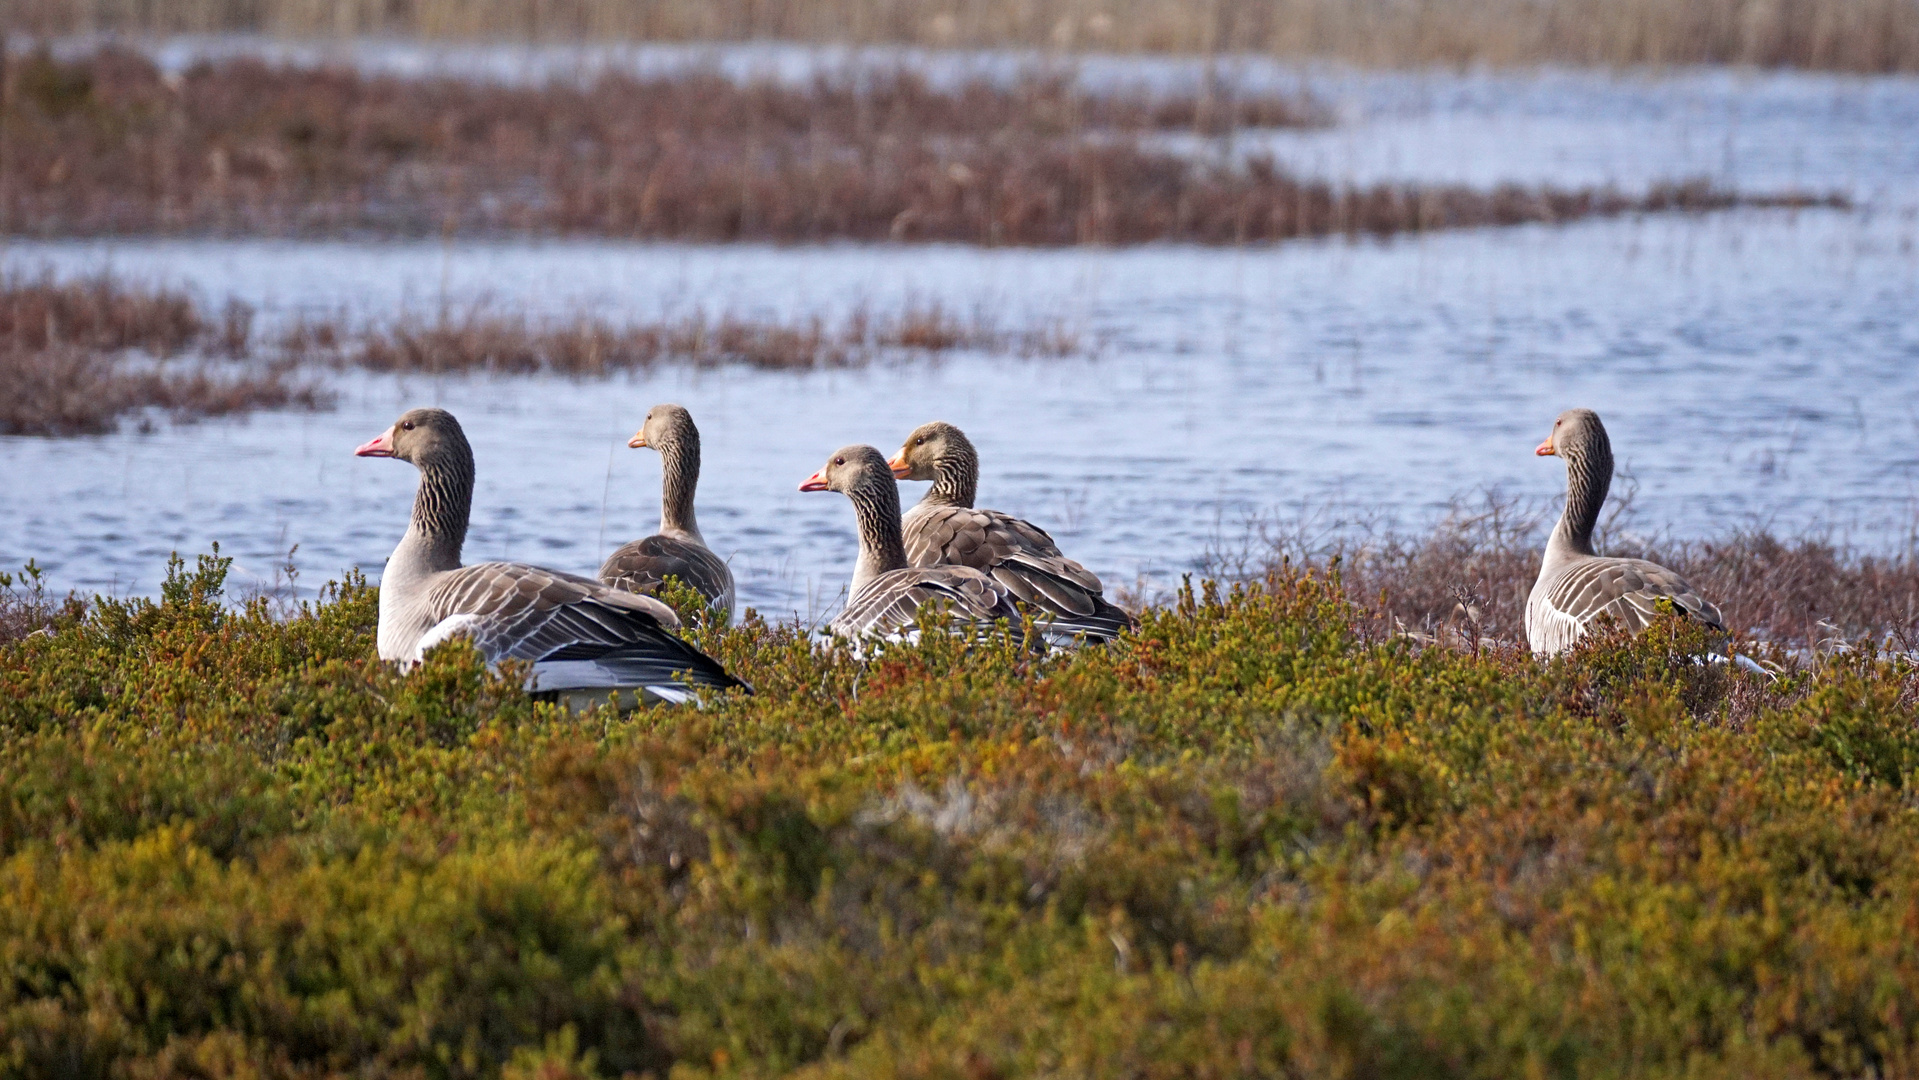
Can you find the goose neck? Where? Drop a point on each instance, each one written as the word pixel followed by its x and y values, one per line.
pixel 440 510
pixel 877 508
pixel 1588 477
pixel 679 477
pixel 955 480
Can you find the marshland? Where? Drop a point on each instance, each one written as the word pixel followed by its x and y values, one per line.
pixel 1258 315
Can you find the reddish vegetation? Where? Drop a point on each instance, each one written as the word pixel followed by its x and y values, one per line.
pixel 109 145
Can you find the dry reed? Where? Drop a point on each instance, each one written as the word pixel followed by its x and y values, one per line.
pixel 1853 35
pixel 76 357
pixel 505 343
pixel 70 390
pixel 1470 574
pixel 107 145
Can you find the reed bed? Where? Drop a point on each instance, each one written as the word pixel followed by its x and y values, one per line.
pixel 1468 577
pixel 481 339
pixel 76 358
pixel 1856 35
pixel 106 145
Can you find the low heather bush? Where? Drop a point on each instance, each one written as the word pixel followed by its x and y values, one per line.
pixel 1252 838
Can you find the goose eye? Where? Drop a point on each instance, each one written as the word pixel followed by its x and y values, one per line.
pixel 921 441
pixel 839 461
pixel 406 426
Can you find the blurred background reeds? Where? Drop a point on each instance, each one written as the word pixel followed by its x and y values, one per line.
pixel 1844 35
pixel 111 144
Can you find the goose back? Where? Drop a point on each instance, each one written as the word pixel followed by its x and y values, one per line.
pixel 1563 605
pixel 643 565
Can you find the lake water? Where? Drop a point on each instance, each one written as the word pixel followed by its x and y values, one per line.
pixel 1755 368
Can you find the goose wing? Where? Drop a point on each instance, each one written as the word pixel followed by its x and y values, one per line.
pixel 1627 589
pixel 1020 556
pixel 643 565
pixel 888 605
pixel 578 632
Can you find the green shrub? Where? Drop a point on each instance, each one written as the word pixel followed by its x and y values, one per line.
pixel 1248 839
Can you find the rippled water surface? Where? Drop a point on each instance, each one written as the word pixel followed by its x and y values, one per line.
pixel 1754 367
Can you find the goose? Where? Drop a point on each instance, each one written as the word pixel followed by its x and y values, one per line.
pixel 1575 585
pixel 945 529
pixel 677 549
pixel 579 635
pixel 886 594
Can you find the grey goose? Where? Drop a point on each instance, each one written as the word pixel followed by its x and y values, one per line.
pixel 678 549
pixel 945 529
pixel 886 595
pixel 577 633
pixel 1577 585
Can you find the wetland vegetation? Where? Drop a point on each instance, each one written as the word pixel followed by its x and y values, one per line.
pixel 108 144
pixel 1259 837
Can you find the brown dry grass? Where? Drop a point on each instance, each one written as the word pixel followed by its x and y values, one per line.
pixel 77 357
pixel 1849 35
pixel 106 145
pixel 1799 591
pixel 503 343
pixel 71 390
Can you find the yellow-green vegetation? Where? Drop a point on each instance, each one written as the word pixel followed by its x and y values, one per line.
pixel 1246 841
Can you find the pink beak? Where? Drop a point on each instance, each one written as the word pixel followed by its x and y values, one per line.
pixel 637 441
pixel 1546 448
pixel 380 445
pixel 815 482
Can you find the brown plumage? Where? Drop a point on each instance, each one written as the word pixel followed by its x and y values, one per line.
pixel 946 529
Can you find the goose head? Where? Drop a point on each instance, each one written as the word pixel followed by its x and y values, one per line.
pixel 850 469
pixel 667 427
pixel 929 445
pixel 423 437
pixel 1577 433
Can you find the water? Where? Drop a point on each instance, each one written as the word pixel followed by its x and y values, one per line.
pixel 1755 368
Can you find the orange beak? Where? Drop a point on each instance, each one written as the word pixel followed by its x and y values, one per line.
pixel 638 441
pixel 815 482
pixel 1546 448
pixel 901 470
pixel 380 445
